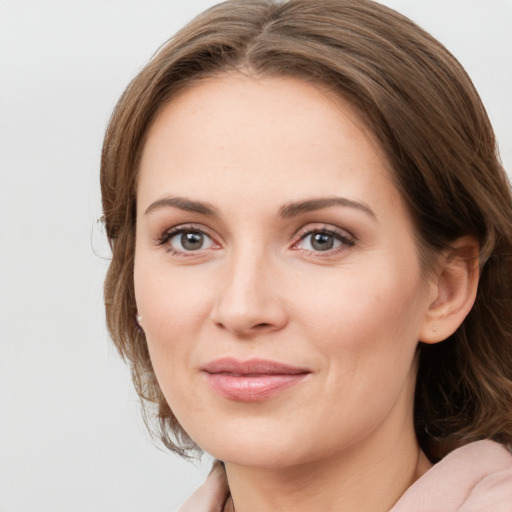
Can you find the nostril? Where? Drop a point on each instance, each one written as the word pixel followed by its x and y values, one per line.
pixel 261 326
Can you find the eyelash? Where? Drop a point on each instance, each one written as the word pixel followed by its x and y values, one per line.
pixel 346 239
pixel 179 230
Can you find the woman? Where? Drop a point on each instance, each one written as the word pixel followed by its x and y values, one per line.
pixel 311 233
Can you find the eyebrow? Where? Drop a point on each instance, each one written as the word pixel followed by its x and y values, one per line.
pixel 183 204
pixel 310 205
pixel 288 210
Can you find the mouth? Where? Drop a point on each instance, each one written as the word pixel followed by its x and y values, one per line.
pixel 252 380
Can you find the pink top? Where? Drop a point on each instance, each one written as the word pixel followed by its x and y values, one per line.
pixel 474 478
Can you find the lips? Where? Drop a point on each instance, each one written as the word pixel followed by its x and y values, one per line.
pixel 252 380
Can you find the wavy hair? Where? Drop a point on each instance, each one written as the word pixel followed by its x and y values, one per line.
pixel 425 112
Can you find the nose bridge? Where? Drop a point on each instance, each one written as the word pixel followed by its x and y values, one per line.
pixel 247 301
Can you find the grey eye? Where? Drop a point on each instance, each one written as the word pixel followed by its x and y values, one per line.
pixel 188 241
pixel 192 241
pixel 322 241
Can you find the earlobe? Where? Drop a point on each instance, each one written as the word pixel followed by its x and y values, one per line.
pixel 138 322
pixel 454 290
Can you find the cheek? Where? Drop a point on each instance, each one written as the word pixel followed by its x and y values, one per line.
pixel 173 305
pixel 173 309
pixel 366 333
pixel 366 328
pixel 361 306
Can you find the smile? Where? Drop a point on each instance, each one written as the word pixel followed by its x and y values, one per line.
pixel 252 380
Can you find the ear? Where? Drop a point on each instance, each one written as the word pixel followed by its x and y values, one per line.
pixel 454 286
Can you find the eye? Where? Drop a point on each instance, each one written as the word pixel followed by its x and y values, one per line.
pixel 324 240
pixel 186 240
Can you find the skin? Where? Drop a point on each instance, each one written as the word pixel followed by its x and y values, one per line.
pixel 343 438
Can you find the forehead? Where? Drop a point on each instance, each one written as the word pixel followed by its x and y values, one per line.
pixel 260 136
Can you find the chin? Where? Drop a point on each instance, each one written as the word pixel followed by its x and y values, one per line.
pixel 264 443
pixel 259 455
pixel 252 442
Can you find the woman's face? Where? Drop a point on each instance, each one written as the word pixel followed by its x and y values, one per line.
pixel 276 273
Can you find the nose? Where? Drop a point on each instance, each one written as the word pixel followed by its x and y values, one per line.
pixel 249 300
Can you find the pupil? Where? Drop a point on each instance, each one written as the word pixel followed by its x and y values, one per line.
pixel 191 241
pixel 322 242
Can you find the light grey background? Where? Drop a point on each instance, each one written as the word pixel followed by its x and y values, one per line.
pixel 71 437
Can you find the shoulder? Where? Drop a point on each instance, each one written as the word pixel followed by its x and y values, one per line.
pixel 473 478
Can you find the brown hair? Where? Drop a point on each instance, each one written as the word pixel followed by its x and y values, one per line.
pixel 421 105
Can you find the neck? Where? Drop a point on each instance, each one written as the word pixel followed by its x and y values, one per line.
pixel 366 483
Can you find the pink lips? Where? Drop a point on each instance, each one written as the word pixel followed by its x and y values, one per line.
pixel 252 380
